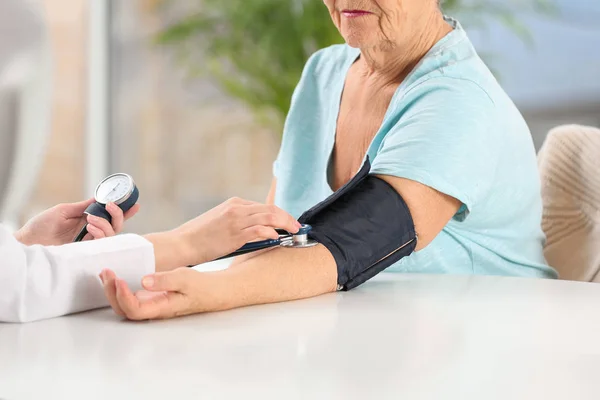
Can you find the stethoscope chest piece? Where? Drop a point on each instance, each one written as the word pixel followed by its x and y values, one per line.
pixel 300 239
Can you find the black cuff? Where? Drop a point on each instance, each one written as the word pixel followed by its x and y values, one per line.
pixel 366 225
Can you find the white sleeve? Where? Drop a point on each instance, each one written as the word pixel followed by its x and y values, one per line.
pixel 38 282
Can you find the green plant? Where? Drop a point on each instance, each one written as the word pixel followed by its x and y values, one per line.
pixel 256 49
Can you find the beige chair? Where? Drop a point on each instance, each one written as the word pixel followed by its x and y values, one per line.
pixel 569 163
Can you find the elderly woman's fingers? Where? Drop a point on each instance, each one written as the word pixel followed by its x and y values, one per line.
pixel 141 306
pixel 108 279
pixel 127 301
pixel 158 303
pixel 178 280
pixel 163 304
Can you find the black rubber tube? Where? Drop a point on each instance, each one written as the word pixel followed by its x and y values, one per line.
pixel 81 234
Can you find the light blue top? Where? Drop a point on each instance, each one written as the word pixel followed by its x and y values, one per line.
pixel 449 126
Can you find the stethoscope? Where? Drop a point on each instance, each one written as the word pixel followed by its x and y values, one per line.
pixel 296 240
pixel 121 190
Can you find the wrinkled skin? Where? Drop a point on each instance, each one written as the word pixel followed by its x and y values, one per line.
pixel 390 24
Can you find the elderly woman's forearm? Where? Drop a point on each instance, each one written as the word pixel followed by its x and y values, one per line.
pixel 276 276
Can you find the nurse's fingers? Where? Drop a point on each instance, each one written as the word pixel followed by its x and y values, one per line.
pixel 95 233
pixel 108 279
pixel 132 211
pixel 258 232
pixel 87 237
pixel 75 210
pixel 275 218
pixel 117 217
pixel 99 227
pixel 239 201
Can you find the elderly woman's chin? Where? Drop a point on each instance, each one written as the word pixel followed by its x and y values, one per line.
pixel 359 38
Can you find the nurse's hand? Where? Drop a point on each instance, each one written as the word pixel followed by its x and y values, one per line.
pixel 218 232
pixel 60 224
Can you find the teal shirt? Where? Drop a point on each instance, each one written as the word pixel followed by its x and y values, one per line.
pixel 449 126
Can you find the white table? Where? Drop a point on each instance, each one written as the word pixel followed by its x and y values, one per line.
pixel 397 337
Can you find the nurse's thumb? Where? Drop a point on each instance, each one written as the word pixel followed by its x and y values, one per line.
pixel 172 281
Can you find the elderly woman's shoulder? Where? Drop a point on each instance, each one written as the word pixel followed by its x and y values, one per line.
pixel 468 79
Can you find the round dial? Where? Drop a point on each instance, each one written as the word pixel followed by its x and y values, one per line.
pixel 114 189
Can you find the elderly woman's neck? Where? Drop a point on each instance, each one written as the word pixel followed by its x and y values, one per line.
pixel 392 62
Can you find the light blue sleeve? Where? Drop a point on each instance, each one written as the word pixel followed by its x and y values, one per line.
pixel 443 137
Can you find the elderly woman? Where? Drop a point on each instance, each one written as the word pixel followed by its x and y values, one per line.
pixel 408 92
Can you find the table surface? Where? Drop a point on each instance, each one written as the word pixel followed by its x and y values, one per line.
pixel 397 337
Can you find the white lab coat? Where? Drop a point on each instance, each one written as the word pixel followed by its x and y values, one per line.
pixel 38 282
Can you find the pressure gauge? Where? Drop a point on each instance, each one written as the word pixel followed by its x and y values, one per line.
pixel 119 189
pixel 116 189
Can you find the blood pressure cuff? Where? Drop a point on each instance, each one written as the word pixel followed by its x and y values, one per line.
pixel 366 225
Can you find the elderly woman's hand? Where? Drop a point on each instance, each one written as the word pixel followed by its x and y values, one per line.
pixel 60 224
pixel 170 294
pixel 183 291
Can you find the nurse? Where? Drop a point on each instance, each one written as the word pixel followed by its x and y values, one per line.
pixel 44 275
